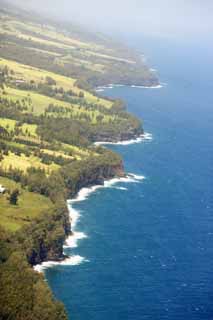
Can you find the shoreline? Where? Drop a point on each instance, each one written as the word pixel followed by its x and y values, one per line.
pixel 74 215
pixel 83 194
pixel 112 86
pixel 143 137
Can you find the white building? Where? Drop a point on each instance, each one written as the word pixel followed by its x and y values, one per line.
pixel 2 189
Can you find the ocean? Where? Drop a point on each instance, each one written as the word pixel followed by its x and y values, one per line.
pixel 143 246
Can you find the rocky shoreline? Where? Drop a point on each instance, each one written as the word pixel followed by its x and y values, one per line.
pixel 53 251
pixel 96 177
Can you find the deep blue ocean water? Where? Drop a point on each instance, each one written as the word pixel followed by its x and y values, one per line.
pixel 150 248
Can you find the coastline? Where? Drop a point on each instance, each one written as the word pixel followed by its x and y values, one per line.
pixel 112 86
pixel 74 215
pixel 143 137
pixel 83 194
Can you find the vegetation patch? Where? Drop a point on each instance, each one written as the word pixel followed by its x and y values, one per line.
pixel 22 162
pixel 29 206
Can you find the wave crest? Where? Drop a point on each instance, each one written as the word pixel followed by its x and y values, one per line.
pixel 71 261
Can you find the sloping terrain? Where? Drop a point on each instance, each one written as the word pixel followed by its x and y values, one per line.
pixel 68 50
pixel 50 117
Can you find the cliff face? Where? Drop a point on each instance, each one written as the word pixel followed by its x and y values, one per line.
pixel 44 239
pixel 92 171
pixel 98 175
pixel 127 134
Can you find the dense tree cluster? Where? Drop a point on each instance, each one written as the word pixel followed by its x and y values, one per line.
pixel 30 298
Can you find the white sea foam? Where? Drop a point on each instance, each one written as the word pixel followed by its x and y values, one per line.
pixel 144 137
pixel 116 85
pixel 148 87
pixel 137 176
pixel 121 188
pixel 99 90
pixel 72 241
pixel 112 86
pixel 109 86
pixel 71 261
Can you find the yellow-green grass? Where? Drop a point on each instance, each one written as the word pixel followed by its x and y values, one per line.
pixel 17 145
pixel 49 31
pixel 45 51
pixel 29 128
pixel 78 153
pixel 30 205
pixel 23 163
pixel 79 62
pixel 57 39
pixel 28 73
pixel 108 57
pixel 57 154
pixel 37 104
pixel 36 39
pixel 30 139
pixel 8 124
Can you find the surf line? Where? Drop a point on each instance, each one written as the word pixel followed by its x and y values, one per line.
pixel 74 215
pixel 143 137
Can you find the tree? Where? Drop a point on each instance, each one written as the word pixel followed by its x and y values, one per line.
pixel 14 197
pixel 81 94
pixel 50 81
pixel 24 294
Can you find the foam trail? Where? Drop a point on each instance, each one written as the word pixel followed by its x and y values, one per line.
pixel 148 87
pixel 109 86
pixel 137 177
pixel 99 90
pixel 112 86
pixel 71 261
pixel 121 188
pixel 144 137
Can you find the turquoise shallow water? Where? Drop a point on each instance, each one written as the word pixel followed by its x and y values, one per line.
pixel 150 245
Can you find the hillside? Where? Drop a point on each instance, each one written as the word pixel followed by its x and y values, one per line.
pixel 70 51
pixel 50 117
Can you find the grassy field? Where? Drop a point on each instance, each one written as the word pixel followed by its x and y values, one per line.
pixel 28 73
pixel 77 152
pixel 30 205
pixel 37 103
pixel 63 46
pixel 9 124
pixel 55 38
pixel 23 162
pixel 29 128
pixel 14 144
pixel 57 154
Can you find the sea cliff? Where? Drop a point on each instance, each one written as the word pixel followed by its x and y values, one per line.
pixel 43 240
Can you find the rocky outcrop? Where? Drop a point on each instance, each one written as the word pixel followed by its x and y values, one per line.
pixel 129 134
